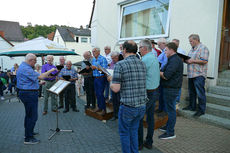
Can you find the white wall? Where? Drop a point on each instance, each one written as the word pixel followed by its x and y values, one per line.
pixel 201 17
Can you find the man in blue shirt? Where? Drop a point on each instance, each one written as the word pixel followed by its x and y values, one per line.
pixel 152 83
pixel 162 58
pixel 27 83
pixel 100 79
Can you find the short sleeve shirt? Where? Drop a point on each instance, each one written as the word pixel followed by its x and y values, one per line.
pixel 130 73
pixel 199 52
pixel 27 78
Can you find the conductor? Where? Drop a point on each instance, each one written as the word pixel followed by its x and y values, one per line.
pixel 27 83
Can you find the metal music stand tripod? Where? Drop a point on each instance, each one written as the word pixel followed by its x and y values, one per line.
pixel 56 89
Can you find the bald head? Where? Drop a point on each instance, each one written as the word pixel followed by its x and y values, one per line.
pixel 50 59
pixel 87 55
pixel 62 60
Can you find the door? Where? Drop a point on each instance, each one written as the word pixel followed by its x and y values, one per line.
pixel 225 38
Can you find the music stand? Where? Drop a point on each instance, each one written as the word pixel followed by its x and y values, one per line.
pixel 57 88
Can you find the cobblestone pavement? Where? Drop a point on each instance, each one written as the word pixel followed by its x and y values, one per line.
pixel 94 136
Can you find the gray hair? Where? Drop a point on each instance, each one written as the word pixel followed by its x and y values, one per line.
pixel 162 40
pixel 115 53
pixel 97 49
pixel 146 43
pixel 108 47
pixel 50 56
pixel 30 56
pixel 194 37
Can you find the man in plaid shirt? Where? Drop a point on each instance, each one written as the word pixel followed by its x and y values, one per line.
pixel 129 78
pixel 197 72
pixel 70 91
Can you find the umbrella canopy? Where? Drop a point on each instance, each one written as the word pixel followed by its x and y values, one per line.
pixel 39 46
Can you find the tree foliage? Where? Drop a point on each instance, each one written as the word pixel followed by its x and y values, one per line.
pixel 31 32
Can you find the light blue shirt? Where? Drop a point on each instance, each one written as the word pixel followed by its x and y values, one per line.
pixel 99 61
pixel 27 78
pixel 162 58
pixel 153 71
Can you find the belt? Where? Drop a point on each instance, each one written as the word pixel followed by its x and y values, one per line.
pixel 100 76
pixel 151 90
pixel 33 90
pixel 170 87
pixel 127 105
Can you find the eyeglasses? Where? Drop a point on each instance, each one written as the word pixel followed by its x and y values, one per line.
pixel 141 47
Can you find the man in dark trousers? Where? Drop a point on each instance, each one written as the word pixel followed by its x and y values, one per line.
pixel 27 83
pixel 171 81
pixel 70 91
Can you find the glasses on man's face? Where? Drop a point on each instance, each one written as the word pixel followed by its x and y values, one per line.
pixel 141 47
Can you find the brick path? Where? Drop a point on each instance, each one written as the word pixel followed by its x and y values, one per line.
pixel 93 136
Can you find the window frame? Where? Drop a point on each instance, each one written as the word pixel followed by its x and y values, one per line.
pixel 124 4
pixel 84 38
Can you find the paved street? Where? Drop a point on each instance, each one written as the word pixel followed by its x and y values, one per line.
pixel 94 136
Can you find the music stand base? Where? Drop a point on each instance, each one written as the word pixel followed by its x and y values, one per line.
pixel 58 130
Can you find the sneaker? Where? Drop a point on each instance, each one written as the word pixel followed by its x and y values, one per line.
pixel 2 98
pixel 166 136
pixel 31 141
pixel 163 128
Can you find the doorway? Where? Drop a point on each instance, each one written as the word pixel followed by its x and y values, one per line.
pixel 224 62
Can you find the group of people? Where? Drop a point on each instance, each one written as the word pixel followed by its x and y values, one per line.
pixel 8 81
pixel 137 82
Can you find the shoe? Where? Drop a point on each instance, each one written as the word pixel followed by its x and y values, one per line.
pixel 102 113
pixel 2 98
pixel 113 119
pixel 159 111
pixel 65 111
pixel 147 146
pixel 140 147
pixel 163 128
pixel 166 136
pixel 35 133
pixel 60 107
pixel 44 113
pixel 31 141
pixel 198 114
pixel 97 110
pixel 54 110
pixel 75 110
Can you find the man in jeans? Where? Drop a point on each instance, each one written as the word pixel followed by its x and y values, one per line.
pixel 171 79
pixel 152 83
pixel 129 78
pixel 197 72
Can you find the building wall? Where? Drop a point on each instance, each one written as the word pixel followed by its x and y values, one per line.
pixel 186 17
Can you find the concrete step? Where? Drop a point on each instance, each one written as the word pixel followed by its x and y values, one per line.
pixel 207 118
pixel 219 90
pixel 225 74
pixel 218 110
pixel 218 99
pixel 223 82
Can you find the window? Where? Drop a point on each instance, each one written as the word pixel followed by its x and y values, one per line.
pixel 144 19
pixel 84 39
pixel 77 39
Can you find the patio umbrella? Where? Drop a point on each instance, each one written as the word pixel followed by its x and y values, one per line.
pixel 39 46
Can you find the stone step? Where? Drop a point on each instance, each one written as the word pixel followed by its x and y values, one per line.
pixel 224 74
pixel 219 90
pixel 218 99
pixel 223 82
pixel 218 110
pixel 207 118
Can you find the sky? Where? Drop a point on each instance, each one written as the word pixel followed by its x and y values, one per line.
pixel 72 13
